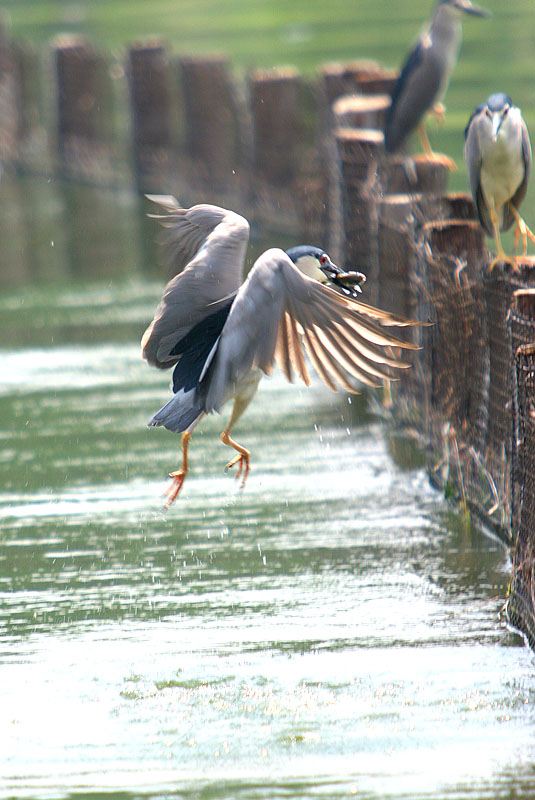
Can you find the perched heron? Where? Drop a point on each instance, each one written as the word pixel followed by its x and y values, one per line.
pixel 425 77
pixel 498 157
pixel 221 335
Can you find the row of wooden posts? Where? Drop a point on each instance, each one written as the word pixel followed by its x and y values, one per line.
pixel 308 153
pixel 186 125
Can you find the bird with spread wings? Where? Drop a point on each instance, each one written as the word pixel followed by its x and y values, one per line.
pixel 221 334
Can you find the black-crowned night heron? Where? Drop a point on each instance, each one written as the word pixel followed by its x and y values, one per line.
pixel 425 76
pixel 221 335
pixel 498 157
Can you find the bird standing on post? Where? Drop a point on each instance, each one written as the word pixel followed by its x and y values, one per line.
pixel 425 77
pixel 497 151
pixel 221 335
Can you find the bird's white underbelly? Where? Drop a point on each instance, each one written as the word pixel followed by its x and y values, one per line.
pixel 502 172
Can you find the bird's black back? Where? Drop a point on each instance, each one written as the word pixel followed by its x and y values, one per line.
pixel 195 348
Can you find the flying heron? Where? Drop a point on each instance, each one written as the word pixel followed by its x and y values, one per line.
pixel 498 157
pixel 425 77
pixel 222 335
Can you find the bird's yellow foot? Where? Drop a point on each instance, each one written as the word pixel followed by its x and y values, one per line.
pixel 501 258
pixel 173 490
pixel 242 459
pixel 522 230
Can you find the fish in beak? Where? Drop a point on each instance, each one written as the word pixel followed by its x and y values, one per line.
pixel 349 283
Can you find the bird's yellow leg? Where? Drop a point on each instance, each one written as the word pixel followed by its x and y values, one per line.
pixel 440 158
pixel 242 459
pixel 439 111
pixel 500 255
pixel 243 456
pixel 179 476
pixel 426 144
pixel 522 230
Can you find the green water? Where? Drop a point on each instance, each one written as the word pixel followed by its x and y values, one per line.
pixel 333 630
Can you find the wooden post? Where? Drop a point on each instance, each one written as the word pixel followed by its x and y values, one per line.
pixel 362 77
pixel 358 111
pixel 289 167
pixel 354 211
pixel 418 174
pixel 521 603
pixel 9 98
pixel 452 205
pixel 381 83
pixel 216 141
pixel 31 134
pixel 521 327
pixel 153 123
pixel 455 256
pixel 276 125
pixel 500 284
pixel 84 120
pixel 397 255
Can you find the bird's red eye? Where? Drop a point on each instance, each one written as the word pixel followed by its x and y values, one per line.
pixel 323 260
pixel 506 111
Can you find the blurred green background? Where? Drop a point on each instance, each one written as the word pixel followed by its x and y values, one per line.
pixel 497 54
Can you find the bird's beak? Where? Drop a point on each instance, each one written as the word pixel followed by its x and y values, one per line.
pixel 470 8
pixel 350 281
pixel 497 120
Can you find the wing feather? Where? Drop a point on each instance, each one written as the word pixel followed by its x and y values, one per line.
pixel 472 155
pixel 417 88
pixel 206 245
pixel 517 198
pixel 347 359
pixel 318 360
pixel 282 351
pixel 361 359
pixel 298 359
pixel 278 310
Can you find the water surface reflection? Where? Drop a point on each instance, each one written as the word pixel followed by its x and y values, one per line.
pixel 333 630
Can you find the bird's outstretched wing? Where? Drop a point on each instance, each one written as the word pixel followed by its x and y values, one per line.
pixel 206 246
pixel 278 310
pixel 472 155
pixel 415 91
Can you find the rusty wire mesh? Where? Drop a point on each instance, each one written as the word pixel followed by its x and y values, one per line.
pixel 521 604
pixel 457 343
pixel 500 284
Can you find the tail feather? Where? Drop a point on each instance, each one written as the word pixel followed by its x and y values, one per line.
pixel 181 413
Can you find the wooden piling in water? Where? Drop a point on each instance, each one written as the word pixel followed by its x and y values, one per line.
pixel 499 287
pixel 397 254
pixel 9 98
pixel 359 111
pixel 354 220
pixel 274 105
pixel 32 135
pixel 412 175
pixel 361 77
pixel 521 603
pixel 150 81
pixel 455 256
pixel 84 110
pixel 287 175
pixel 217 144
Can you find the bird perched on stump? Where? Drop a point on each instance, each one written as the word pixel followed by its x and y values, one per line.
pixel 425 77
pixel 222 335
pixel 498 157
